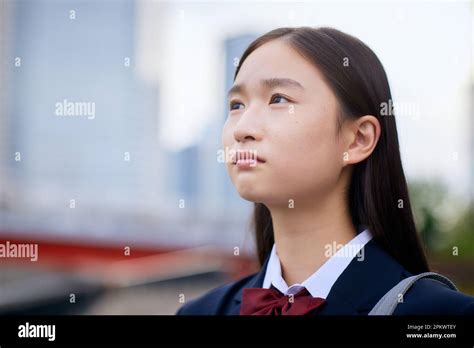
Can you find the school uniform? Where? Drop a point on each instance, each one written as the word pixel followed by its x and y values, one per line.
pixel 350 282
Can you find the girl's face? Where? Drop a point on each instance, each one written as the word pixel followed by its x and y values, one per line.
pixel 284 112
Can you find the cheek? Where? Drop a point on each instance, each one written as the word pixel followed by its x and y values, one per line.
pixel 309 157
pixel 227 137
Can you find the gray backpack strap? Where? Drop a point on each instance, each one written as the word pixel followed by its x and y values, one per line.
pixel 388 303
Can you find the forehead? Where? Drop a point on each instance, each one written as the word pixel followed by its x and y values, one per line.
pixel 278 59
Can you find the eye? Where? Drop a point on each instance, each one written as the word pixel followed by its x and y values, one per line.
pixel 235 105
pixel 278 98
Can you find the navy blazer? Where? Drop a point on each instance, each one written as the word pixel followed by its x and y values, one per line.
pixel 355 292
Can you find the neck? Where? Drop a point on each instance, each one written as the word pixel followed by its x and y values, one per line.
pixel 303 233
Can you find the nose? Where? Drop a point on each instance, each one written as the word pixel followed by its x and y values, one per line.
pixel 248 128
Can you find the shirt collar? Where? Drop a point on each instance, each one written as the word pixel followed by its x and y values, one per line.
pixel 321 281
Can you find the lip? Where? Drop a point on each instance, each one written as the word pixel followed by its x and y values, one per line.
pixel 247 159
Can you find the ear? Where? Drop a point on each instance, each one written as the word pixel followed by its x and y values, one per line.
pixel 362 135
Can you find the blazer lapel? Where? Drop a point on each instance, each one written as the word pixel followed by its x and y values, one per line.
pixel 256 281
pixel 364 282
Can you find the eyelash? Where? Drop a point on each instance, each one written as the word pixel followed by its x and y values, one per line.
pixel 234 102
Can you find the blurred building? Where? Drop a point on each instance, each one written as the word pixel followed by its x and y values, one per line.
pixel 77 53
pixel 102 172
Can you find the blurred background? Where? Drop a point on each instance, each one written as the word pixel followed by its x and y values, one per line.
pixel 110 121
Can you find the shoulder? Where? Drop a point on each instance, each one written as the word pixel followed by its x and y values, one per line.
pixel 426 296
pixel 216 301
pixel 430 297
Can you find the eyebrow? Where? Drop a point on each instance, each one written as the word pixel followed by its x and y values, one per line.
pixel 269 84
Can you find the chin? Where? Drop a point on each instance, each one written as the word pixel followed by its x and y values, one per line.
pixel 250 192
pixel 268 199
pixel 257 196
pixel 250 195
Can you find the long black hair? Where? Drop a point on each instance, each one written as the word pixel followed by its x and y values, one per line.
pixel 378 193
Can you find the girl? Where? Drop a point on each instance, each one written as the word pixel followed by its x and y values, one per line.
pixel 320 160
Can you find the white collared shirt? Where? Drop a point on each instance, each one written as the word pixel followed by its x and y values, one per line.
pixel 320 282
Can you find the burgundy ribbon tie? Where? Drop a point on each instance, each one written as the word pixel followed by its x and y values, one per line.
pixel 261 301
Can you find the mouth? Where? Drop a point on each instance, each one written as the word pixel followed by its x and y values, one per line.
pixel 247 158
